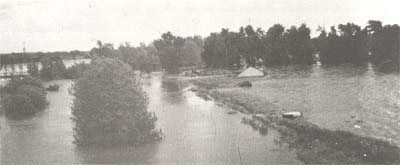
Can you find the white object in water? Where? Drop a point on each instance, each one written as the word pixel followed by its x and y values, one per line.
pixel 291 115
pixel 357 126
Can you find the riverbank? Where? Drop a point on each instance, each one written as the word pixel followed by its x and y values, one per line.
pixel 314 143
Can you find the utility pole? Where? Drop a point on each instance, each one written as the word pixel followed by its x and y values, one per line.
pixel 23 47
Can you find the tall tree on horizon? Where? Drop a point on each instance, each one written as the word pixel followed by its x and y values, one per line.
pixel 274 47
pixel 298 45
pixel 169 51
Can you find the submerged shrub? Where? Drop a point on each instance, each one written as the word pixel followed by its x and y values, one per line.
pixel 53 87
pixel 170 85
pixel 23 96
pixel 76 70
pixel 53 68
pixel 317 145
pixel 110 106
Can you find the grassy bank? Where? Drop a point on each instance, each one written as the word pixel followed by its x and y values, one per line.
pixel 312 143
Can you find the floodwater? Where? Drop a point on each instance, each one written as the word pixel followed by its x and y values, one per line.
pixel 196 132
pixel 345 97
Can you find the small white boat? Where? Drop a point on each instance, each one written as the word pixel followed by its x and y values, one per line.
pixel 292 115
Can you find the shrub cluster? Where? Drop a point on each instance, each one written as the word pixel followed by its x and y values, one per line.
pixel 23 96
pixel 110 106
pixel 53 87
pixel 76 70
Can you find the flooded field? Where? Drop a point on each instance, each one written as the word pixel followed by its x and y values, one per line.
pixel 196 131
pixel 353 98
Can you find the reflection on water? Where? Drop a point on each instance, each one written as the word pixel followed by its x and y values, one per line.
pixel 195 130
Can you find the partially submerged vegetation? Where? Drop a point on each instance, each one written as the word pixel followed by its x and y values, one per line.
pixel 53 87
pixel 110 107
pixel 316 145
pixel 22 97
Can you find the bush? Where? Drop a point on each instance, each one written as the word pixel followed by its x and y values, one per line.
pixel 76 70
pixel 110 106
pixel 53 87
pixel 23 97
pixel 53 68
pixel 170 85
pixel 310 140
pixel 244 84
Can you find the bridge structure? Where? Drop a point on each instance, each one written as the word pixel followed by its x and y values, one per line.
pixel 11 71
pixel 13 75
pixel 15 65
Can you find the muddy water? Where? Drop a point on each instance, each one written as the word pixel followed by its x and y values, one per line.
pixel 197 132
pixel 353 98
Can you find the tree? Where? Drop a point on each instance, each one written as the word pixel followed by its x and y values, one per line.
pixel 298 45
pixel 273 43
pixel 354 43
pixel 110 106
pixel 52 68
pixel 222 50
pixel 104 50
pixel 348 45
pixel 140 58
pixel 215 51
pixel 169 51
pixel 191 52
pixel 384 45
pixel 252 48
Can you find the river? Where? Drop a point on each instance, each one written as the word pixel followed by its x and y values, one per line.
pixel 196 132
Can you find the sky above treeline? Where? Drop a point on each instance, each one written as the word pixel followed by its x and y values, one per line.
pixel 64 25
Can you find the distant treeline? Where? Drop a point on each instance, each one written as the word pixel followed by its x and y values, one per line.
pixel 169 53
pixel 345 43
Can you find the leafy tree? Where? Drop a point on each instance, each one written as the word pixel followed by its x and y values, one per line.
pixel 76 71
pixel 169 51
pixel 328 47
pixel 191 52
pixel 140 58
pixel 274 46
pixel 252 48
pixel 215 52
pixel 222 49
pixel 110 106
pixel 104 50
pixel 384 44
pixel 348 45
pixel 298 45
pixel 354 43
pixel 52 68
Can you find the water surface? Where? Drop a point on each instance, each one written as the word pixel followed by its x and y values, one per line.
pixel 197 132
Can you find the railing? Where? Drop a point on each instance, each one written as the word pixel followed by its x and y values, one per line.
pixel 13 74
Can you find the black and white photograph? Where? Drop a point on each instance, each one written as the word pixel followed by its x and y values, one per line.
pixel 199 82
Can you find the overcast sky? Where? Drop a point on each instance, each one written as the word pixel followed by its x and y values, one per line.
pixel 50 25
